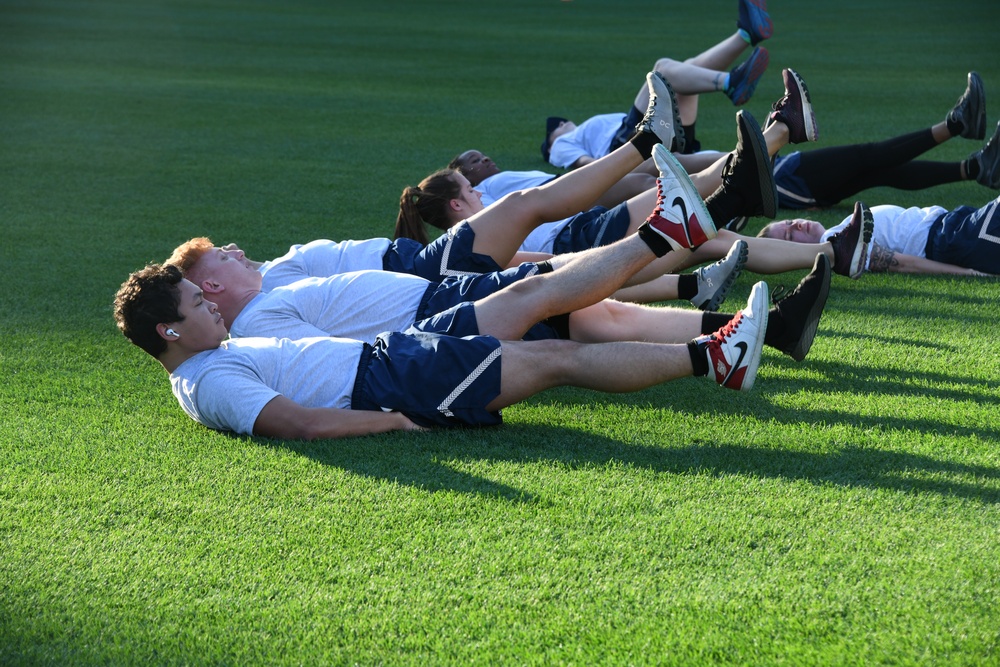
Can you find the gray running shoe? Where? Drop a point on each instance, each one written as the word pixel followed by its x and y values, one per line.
pixel 715 280
pixel 988 158
pixel 970 110
pixel 662 117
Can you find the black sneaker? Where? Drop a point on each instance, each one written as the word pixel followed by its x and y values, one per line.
pixel 988 158
pixel 748 187
pixel 970 110
pixel 850 245
pixel 799 311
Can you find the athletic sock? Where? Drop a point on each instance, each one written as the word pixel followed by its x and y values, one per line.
pixel 687 286
pixel 971 169
pixel 644 142
pixel 659 245
pixel 955 127
pixel 745 35
pixel 699 360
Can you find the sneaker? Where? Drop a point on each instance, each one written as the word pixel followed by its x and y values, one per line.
pixel 734 350
pixel 744 78
pixel 662 117
pixel 795 110
pixel 799 311
pixel 748 186
pixel 970 110
pixel 850 245
pixel 754 22
pixel 737 224
pixel 715 280
pixel 988 158
pixel 691 224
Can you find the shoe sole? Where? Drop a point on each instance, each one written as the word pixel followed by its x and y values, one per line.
pixel 666 162
pixel 765 169
pixel 660 87
pixel 760 30
pixel 976 86
pixel 804 344
pixel 860 255
pixel 759 299
pixel 716 300
pixel 759 60
pixel 808 118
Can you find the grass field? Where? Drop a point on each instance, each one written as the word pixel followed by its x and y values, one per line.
pixel 844 512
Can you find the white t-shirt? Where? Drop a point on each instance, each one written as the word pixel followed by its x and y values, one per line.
pixel 505 182
pixel 591 138
pixel 358 305
pixel 898 229
pixel 323 258
pixel 226 388
pixel 499 185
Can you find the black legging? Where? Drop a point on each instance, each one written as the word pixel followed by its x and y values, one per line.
pixel 840 172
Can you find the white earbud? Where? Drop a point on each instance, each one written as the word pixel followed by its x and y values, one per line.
pixel 171 332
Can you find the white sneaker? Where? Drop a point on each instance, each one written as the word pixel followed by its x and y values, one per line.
pixel 734 350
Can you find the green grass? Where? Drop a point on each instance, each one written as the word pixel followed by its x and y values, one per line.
pixel 844 512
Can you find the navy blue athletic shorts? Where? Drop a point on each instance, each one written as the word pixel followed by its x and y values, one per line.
pixel 591 229
pixel 434 380
pixel 449 255
pixel 967 237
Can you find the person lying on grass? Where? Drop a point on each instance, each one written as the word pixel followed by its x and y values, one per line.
pixel 331 387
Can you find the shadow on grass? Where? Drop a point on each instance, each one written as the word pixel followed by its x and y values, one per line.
pixel 429 461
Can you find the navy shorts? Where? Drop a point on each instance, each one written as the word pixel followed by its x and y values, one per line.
pixel 967 237
pixel 793 192
pixel 434 380
pixel 448 308
pixel 591 229
pixel 449 255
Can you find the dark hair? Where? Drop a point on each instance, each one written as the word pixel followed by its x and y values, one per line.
pixel 149 297
pixel 427 203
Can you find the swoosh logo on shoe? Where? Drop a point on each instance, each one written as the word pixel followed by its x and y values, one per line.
pixel 679 203
pixel 742 347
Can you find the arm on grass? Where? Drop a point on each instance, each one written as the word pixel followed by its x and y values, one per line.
pixel 885 260
pixel 284 418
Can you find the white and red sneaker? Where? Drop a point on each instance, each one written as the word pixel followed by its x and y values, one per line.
pixel 734 350
pixel 680 215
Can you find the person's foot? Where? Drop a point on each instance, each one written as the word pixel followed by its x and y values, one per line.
pixel 715 280
pixel 680 215
pixel 850 245
pixel 970 110
pixel 799 311
pixel 662 117
pixel 754 22
pixel 743 79
pixel 733 351
pixel 988 158
pixel 795 110
pixel 748 188
pixel 737 224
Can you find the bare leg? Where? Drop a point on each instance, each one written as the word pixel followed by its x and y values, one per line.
pixel 501 228
pixel 765 255
pixel 579 280
pixel 660 288
pixel 719 57
pixel 610 321
pixel 531 367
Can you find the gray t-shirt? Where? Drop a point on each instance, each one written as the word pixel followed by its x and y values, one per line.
pixel 323 258
pixel 358 305
pixel 226 388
